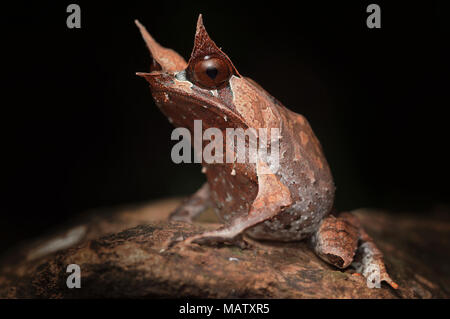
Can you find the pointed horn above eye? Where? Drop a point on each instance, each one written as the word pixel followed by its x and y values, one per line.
pixel 205 46
pixel 167 59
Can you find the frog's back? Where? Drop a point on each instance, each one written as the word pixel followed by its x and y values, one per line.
pixel 302 168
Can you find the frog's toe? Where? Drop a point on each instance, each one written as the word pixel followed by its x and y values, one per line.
pixel 238 241
pixel 217 237
pixel 210 239
pixel 171 242
pixel 375 273
pixel 372 267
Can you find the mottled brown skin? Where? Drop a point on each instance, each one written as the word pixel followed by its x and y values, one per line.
pixel 290 204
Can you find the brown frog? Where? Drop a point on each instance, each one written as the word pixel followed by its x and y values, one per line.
pixel 292 203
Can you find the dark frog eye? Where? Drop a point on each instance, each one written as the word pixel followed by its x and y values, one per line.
pixel 210 72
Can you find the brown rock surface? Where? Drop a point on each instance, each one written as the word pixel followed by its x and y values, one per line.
pixel 120 255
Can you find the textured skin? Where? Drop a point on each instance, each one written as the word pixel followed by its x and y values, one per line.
pixel 286 205
pixel 242 104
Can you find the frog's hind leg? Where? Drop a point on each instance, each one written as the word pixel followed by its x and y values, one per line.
pixel 338 239
pixel 372 263
pixel 193 205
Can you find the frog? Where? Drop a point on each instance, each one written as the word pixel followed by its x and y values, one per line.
pixel 294 202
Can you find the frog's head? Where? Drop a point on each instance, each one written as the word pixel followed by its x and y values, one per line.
pixel 208 87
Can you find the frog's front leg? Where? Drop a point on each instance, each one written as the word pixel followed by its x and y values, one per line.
pixel 193 206
pixel 339 238
pixel 272 198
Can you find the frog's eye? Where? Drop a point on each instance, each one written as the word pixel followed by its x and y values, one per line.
pixel 210 72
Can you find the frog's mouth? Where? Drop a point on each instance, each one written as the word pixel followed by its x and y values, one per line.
pixel 180 100
pixel 182 110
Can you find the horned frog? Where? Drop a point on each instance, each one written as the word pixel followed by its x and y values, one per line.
pixel 295 202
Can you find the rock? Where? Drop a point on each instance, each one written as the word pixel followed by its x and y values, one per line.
pixel 119 253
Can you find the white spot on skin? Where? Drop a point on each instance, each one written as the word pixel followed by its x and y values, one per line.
pixel 233 259
pixel 66 240
pixel 204 170
pixel 225 118
pixel 170 119
pixel 233 172
pixel 166 97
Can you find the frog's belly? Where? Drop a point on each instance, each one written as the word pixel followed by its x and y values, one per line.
pixel 290 225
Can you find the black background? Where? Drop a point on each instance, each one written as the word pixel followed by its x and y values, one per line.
pixel 81 131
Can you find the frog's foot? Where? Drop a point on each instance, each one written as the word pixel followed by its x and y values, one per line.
pixel 371 265
pixel 336 242
pixel 193 206
pixel 216 237
pixel 223 235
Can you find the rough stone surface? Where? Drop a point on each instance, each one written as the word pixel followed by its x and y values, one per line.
pixel 120 255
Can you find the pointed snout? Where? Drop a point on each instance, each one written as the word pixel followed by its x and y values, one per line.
pixel 158 80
